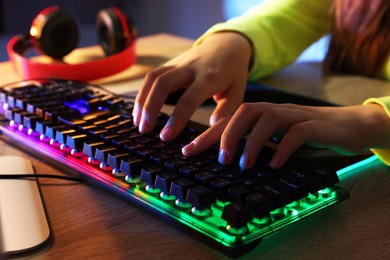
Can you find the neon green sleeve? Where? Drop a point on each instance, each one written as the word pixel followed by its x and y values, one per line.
pixel 386 70
pixel 279 31
pixel 384 155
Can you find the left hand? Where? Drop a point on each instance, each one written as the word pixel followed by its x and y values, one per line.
pixel 347 130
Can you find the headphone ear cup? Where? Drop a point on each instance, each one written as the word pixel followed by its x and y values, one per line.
pixel 114 31
pixel 54 33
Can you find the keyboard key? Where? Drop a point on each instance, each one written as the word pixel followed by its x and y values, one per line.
pixel 220 187
pixel 260 204
pixel 312 180
pixel 189 171
pixel 76 141
pixel 298 190
pixel 205 177
pixel 89 147
pixel 51 130
pixel 63 133
pixel 180 187
pixel 160 158
pixel 101 152
pixel 239 193
pixel 131 166
pixel 237 215
pixel 200 197
pixel 148 174
pixel 175 164
pixel 329 177
pixel 115 157
pixel 30 121
pixel 281 196
pixel 164 180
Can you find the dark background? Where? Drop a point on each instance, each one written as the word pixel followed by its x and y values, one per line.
pixel 184 18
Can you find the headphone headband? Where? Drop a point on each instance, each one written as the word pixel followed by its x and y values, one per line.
pixel 86 71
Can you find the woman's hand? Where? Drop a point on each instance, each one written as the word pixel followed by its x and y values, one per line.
pixel 218 68
pixel 345 129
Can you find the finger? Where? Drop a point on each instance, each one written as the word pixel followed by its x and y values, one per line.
pixel 144 91
pixel 228 104
pixel 208 138
pixel 295 137
pixel 238 126
pixel 267 124
pixel 191 99
pixel 274 119
pixel 165 84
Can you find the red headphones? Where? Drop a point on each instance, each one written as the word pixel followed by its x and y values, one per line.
pixel 54 33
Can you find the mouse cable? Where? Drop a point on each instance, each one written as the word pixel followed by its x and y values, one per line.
pixel 26 176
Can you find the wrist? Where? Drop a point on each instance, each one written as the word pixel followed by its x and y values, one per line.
pixel 231 41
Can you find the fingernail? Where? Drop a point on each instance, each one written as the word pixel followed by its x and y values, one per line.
pixel 186 150
pixel 223 156
pixel 245 160
pixel 136 119
pixel 136 115
pixel 275 162
pixel 213 119
pixel 167 133
pixel 144 126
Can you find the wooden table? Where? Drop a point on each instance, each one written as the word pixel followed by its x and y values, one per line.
pixel 90 223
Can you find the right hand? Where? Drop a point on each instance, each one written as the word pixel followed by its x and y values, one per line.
pixel 218 68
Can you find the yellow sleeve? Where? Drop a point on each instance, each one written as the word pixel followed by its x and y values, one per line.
pixel 384 155
pixel 279 31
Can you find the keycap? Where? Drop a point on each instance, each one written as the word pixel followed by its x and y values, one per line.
pixel 115 157
pixel 259 204
pixel 148 174
pixel 281 196
pixel 175 164
pixel 160 158
pixel 329 177
pixel 164 180
pixel 189 170
pixel 63 133
pixel 200 197
pixel 76 141
pixel 180 187
pixel 131 166
pixel 101 152
pixel 51 130
pixel 19 115
pixel 220 187
pixel 237 215
pixel 205 177
pixel 89 147
pixel 297 190
pixel 30 120
pixel 41 126
pixel 239 193
pixel 312 180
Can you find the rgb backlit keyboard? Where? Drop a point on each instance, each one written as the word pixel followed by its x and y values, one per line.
pixel 90 131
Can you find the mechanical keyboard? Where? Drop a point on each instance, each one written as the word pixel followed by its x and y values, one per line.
pixel 88 130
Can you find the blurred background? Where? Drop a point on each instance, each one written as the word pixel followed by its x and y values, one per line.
pixel 183 18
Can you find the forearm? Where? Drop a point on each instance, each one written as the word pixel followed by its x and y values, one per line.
pixel 279 31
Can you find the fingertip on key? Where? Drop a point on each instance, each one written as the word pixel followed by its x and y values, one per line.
pixel 145 126
pixel 167 133
pixel 188 149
